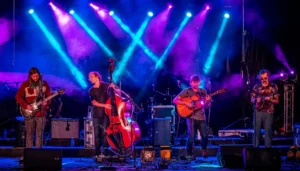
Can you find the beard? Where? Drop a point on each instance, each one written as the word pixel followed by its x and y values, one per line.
pixel 265 83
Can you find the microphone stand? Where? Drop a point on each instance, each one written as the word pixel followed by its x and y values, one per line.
pixel 41 94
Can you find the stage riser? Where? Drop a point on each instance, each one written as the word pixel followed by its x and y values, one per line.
pixel 82 152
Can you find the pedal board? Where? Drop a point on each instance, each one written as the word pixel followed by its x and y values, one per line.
pixel 238 132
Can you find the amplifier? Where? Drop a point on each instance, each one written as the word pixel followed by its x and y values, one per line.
pixel 164 111
pixel 65 128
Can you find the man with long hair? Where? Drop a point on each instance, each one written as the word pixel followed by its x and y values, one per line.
pixel 99 95
pixel 197 120
pixel 29 91
pixel 264 96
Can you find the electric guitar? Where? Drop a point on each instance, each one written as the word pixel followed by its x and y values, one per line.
pixel 197 102
pixel 28 114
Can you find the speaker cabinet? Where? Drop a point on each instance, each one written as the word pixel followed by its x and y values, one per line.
pixel 161 131
pixel 42 159
pixel 65 128
pixel 231 155
pixel 262 158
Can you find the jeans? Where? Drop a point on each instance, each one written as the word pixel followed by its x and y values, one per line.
pixel 267 119
pixel 36 124
pixel 194 125
pixel 100 125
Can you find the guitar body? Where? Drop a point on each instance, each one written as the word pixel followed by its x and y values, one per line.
pixel 28 114
pixel 185 111
pixel 197 102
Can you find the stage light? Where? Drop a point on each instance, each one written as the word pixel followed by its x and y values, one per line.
pixel 165 152
pixel 147 154
pixel 31 11
pixel 71 12
pixel 292 72
pixel 226 15
pixel 150 14
pixel 207 7
pixel 188 14
pixel 111 13
pixel 170 6
pixel 281 74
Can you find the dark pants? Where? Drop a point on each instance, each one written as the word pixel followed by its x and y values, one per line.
pixel 36 124
pixel 267 119
pixel 193 126
pixel 100 125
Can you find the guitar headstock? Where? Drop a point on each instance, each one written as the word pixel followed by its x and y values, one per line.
pixel 61 91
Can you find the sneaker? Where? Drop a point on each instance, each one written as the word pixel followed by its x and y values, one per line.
pixel 190 157
pixel 204 153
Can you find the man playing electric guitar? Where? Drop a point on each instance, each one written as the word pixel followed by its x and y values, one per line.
pixel 264 95
pixel 27 93
pixel 197 120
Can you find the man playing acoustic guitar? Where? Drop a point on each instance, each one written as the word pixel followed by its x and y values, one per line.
pixel 197 120
pixel 27 93
pixel 264 95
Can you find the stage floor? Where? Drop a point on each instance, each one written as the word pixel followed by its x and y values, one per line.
pixel 80 158
pixel 88 164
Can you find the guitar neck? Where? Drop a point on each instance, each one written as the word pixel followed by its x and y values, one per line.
pixel 47 98
pixel 213 94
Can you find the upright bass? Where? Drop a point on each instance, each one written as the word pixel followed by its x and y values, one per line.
pixel 120 133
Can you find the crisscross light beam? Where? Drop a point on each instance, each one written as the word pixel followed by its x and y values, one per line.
pixel 75 72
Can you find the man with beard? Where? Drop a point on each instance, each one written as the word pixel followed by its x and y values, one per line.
pixel 197 120
pixel 264 95
pixel 29 90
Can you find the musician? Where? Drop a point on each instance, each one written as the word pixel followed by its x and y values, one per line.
pixel 197 120
pixel 29 91
pixel 264 95
pixel 99 95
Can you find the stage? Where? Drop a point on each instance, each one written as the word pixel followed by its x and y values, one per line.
pixel 81 158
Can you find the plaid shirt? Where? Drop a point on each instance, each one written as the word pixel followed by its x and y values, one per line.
pixel 260 92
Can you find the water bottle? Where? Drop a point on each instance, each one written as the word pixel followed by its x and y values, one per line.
pixel 72 142
pixel 4 134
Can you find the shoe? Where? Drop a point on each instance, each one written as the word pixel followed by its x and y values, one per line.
pixel 190 157
pixel 204 154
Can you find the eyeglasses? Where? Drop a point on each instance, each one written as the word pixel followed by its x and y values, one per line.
pixel 263 78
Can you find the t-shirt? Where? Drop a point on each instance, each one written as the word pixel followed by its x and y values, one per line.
pixel 198 114
pixel 100 95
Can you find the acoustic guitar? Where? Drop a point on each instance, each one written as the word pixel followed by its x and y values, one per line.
pixel 197 102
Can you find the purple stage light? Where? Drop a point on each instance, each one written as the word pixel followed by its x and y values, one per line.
pixel 292 72
pixel 170 6
pixel 94 7
pixel 281 74
pixel 207 7
pixel 101 13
